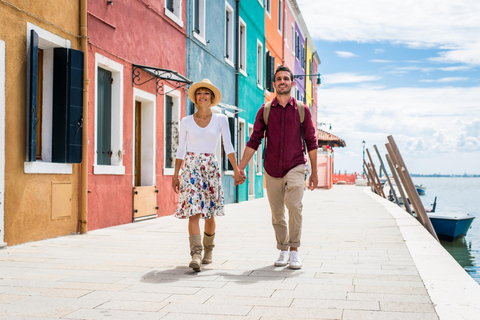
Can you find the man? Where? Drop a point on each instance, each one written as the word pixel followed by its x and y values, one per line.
pixel 284 164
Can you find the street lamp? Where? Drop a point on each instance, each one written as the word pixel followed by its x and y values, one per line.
pixel 309 75
pixel 363 163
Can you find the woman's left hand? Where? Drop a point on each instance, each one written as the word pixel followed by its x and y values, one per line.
pixel 239 179
pixel 176 185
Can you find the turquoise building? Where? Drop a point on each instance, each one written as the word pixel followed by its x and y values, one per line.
pixel 225 42
pixel 251 89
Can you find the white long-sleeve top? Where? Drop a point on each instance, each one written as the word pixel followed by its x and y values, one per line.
pixel 194 138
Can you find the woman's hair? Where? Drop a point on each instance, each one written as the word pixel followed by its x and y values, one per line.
pixel 211 92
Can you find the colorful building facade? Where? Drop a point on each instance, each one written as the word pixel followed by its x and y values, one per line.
pixel 40 105
pixel 90 120
pixel 136 100
pixel 251 92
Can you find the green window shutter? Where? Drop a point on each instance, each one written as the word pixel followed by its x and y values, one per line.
pixel 104 116
pixel 67 105
pixel 168 132
pixel 32 92
pixel 75 107
pixel 232 126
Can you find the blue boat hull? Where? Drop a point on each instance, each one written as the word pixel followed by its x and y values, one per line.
pixel 451 228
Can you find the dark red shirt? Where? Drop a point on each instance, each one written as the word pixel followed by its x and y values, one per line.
pixel 284 149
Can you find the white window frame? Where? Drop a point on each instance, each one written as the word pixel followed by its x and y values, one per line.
pixel 242 142
pixel 116 167
pixel 2 142
pixel 243 53
pixel 176 96
pixel 229 37
pixel 293 39
pixel 47 41
pixel 268 8
pixel 280 17
pixel 261 3
pixel 175 17
pixel 201 35
pixel 260 57
pixel 225 170
pixel 148 137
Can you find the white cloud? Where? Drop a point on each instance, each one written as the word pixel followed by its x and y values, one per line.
pixel 450 25
pixel 345 54
pixel 346 77
pixel 447 79
pixel 380 61
pixel 428 124
pixel 453 69
pixel 378 51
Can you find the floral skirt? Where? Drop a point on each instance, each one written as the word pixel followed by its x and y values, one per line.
pixel 200 187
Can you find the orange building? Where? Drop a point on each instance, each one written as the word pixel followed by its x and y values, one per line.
pixel 274 16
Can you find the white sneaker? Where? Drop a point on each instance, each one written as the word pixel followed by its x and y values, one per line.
pixel 282 259
pixel 295 262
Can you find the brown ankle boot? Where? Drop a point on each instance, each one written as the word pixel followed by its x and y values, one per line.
pixel 208 244
pixel 196 252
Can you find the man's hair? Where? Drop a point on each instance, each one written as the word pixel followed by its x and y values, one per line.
pixel 283 68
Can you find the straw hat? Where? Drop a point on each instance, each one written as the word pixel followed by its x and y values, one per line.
pixel 205 83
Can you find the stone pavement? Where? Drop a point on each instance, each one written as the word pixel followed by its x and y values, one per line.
pixel 357 264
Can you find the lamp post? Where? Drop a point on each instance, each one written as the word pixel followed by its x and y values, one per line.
pixel 363 163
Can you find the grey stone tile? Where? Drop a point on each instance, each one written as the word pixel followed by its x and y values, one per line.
pixel 407 307
pixel 379 315
pixel 336 304
pixel 296 313
pixel 83 314
pixel 210 309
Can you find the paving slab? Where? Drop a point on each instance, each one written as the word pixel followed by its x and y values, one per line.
pixel 363 258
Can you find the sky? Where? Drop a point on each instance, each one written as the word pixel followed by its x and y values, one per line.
pixel 409 69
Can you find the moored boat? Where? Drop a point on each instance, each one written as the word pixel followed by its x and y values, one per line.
pixel 452 226
pixel 421 189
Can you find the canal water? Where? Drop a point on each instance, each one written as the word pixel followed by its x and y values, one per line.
pixel 457 195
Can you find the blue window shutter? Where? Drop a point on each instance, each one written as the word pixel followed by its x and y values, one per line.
pixel 67 105
pixel 32 96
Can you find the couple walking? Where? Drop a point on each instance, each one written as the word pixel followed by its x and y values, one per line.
pixel 289 133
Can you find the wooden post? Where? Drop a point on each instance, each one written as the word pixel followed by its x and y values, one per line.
pixel 382 167
pixel 372 181
pixel 375 175
pixel 398 182
pixel 410 188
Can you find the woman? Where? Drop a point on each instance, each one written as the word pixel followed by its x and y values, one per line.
pixel 200 188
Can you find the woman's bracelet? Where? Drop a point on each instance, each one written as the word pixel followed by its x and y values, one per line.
pixel 175 179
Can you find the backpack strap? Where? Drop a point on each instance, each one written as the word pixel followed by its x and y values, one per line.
pixel 301 113
pixel 266 113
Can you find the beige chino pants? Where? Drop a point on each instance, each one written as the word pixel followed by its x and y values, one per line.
pixel 287 191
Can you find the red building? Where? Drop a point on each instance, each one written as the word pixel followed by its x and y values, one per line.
pixel 133 111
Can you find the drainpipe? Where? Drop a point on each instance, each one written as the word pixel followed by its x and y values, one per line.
pixel 237 70
pixel 84 166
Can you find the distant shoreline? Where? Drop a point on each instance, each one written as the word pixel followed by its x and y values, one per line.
pixel 446 175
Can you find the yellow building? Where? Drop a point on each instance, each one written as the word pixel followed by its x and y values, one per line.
pixel 41 119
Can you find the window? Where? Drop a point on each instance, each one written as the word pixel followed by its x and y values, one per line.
pixel 280 9
pixel 269 71
pixel 172 129
pixel 310 71
pixel 199 20
pixel 242 50
pixel 173 10
pixel 232 123
pixel 293 39
pixel 268 7
pixel 54 103
pixel 229 18
pixel 303 57
pixel 297 46
pixel 259 64
pixel 261 3
pixel 108 116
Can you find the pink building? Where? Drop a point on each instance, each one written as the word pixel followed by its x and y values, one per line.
pixel 133 111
